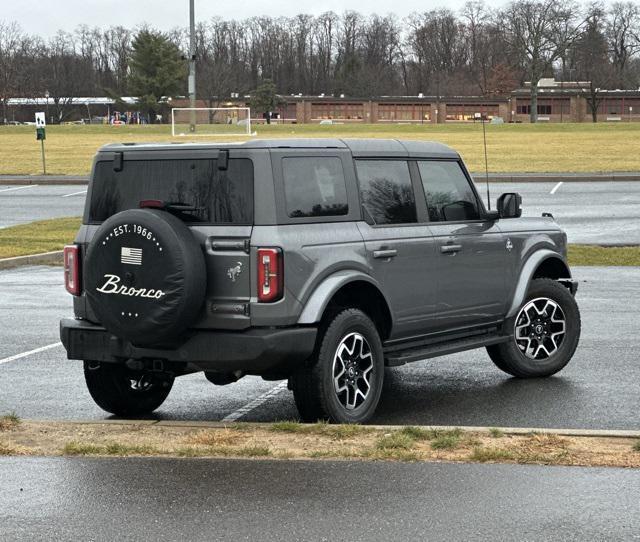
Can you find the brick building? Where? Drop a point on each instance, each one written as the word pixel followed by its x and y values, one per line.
pixel 557 102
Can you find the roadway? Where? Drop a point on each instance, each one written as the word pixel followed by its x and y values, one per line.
pixel 26 203
pixel 591 212
pixel 597 390
pixel 189 499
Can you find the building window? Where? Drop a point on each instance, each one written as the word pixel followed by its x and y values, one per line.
pixel 526 109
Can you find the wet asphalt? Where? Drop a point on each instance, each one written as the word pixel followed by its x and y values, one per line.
pixel 26 203
pixel 598 389
pixel 591 212
pixel 166 499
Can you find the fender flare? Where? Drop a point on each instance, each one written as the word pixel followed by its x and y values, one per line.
pixel 322 294
pixel 526 275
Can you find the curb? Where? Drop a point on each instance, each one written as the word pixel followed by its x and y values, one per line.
pixel 556 177
pixel 603 433
pixel 46 258
pixel 48 180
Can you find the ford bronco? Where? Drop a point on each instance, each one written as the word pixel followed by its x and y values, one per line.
pixel 320 261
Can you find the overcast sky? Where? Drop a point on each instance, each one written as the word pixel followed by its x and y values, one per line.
pixel 44 17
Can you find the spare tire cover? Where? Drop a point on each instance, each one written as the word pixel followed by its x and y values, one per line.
pixel 145 276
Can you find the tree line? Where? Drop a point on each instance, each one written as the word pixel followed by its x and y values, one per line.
pixel 479 50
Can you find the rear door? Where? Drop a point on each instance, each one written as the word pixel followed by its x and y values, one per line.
pixel 221 194
pixel 470 249
pixel 399 245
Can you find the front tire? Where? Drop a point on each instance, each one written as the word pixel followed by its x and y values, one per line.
pixel 343 381
pixel 546 331
pixel 123 392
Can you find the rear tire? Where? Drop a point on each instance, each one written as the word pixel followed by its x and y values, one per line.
pixel 343 381
pixel 546 331
pixel 124 392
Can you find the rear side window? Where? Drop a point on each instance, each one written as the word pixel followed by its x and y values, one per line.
pixel 386 191
pixel 221 197
pixel 449 194
pixel 314 186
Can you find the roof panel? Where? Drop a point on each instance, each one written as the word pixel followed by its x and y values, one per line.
pixel 299 143
pixel 359 147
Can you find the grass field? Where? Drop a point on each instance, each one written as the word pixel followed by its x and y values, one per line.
pixel 50 235
pixel 511 147
pixel 37 237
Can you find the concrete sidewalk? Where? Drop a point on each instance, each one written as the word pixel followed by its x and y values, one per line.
pixel 43 179
pixel 479 177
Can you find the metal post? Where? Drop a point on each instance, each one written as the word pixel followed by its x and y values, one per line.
pixel 192 65
pixel 44 163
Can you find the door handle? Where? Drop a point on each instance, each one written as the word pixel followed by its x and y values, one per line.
pixel 385 253
pixel 450 249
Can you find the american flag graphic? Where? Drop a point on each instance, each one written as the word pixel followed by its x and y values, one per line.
pixel 131 256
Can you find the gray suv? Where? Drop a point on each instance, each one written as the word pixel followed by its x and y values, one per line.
pixel 320 261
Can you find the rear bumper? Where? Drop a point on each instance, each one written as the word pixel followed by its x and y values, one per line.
pixel 255 350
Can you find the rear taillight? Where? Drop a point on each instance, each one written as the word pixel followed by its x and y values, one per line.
pixel 72 269
pixel 270 274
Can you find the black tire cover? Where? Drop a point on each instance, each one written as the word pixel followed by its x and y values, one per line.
pixel 145 276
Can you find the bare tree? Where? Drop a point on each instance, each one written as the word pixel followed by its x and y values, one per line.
pixel 65 75
pixel 592 60
pixel 487 52
pixel 539 32
pixel 623 31
pixel 439 52
pixel 438 44
pixel 10 45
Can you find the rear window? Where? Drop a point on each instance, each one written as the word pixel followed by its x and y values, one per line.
pixel 221 197
pixel 314 186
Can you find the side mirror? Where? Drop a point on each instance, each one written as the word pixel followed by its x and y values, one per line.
pixel 510 205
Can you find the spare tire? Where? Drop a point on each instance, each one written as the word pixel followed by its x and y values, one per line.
pixel 145 276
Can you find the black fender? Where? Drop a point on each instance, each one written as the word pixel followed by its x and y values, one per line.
pixel 324 292
pixel 528 271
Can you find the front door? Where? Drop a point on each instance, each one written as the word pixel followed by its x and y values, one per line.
pixel 471 250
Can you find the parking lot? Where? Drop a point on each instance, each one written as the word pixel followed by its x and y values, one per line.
pixel 575 205
pixel 174 500
pixel 22 204
pixel 597 390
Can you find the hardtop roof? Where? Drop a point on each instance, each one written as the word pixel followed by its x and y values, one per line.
pixel 368 147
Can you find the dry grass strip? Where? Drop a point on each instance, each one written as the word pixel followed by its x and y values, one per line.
pixel 292 440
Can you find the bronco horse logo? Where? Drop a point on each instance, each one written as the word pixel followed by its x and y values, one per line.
pixel 233 272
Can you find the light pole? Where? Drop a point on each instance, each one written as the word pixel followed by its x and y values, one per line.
pixel 192 65
pixel 46 104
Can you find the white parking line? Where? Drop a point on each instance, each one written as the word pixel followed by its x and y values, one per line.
pixel 34 351
pixel 255 403
pixel 19 188
pixel 555 188
pixel 74 194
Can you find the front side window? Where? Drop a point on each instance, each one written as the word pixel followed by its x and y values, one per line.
pixel 218 197
pixel 386 191
pixel 314 186
pixel 450 197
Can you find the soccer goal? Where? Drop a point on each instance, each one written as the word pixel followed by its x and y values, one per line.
pixel 210 121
